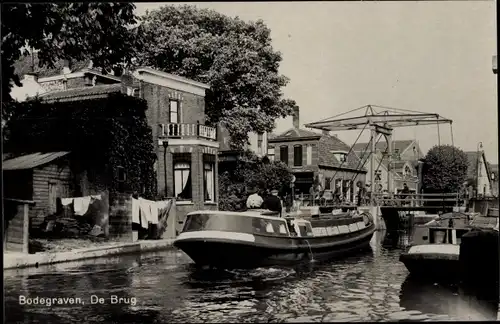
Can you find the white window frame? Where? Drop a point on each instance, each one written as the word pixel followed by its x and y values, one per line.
pixel 260 143
pixel 309 155
pixel 173 108
pixel 209 173
pixel 182 170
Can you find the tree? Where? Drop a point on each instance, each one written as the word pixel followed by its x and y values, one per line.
pixel 444 169
pixel 251 172
pixel 235 57
pixel 99 31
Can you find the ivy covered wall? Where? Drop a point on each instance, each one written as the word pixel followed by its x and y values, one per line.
pixel 104 135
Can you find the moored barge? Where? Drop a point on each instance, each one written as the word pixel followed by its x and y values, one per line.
pixel 435 248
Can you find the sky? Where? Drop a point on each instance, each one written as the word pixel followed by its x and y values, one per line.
pixel 427 56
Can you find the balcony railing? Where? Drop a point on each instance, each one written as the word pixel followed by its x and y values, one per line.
pixel 197 130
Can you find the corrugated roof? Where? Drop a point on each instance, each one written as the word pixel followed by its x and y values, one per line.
pixel 31 161
pixel 98 91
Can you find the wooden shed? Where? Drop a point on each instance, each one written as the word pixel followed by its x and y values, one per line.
pixel 41 178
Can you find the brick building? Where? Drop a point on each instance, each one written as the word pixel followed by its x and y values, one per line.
pixel 313 155
pixel 187 150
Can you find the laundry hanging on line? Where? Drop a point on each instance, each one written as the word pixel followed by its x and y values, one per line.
pixel 80 204
pixel 147 211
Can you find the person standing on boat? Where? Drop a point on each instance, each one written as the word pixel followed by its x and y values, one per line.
pixel 254 200
pixel 272 202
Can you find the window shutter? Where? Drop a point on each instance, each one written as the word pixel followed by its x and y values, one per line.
pixel 297 155
pixel 284 154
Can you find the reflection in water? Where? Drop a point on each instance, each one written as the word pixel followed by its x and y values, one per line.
pixel 371 286
pixel 445 300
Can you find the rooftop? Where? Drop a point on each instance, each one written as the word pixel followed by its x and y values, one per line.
pixel 30 161
pixel 99 91
pixel 24 65
pixel 400 145
pixel 472 158
pixel 294 133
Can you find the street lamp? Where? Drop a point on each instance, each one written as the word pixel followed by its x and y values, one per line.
pixel 165 145
pixel 479 148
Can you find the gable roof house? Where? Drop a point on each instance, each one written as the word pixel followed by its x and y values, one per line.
pixel 403 168
pixel 319 156
pixel 479 174
pixel 64 76
pixel 494 179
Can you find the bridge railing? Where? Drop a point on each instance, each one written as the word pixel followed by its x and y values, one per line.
pixel 418 200
pixel 307 200
pixel 413 200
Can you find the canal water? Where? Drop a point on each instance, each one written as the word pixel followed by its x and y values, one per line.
pixel 164 287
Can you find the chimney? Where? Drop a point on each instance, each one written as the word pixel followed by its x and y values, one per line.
pixel 66 69
pixel 296 120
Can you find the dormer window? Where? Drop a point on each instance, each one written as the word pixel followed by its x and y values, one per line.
pixel 407 171
pixel 131 91
pixel 340 156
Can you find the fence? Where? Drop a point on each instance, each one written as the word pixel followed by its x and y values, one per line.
pixel 16 225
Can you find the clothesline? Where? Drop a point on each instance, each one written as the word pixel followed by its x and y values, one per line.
pixel 80 204
pixel 147 211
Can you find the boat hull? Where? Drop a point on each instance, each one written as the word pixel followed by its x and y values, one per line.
pixel 236 251
pixel 433 262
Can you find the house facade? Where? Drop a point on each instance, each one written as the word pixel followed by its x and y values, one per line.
pixel 494 179
pixel 258 143
pixel 479 175
pixel 403 167
pixel 186 149
pixel 321 156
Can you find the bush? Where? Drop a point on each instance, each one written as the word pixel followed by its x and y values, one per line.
pixel 444 169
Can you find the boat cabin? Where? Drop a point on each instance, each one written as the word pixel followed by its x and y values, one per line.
pixel 301 228
pixel 438 235
pixel 250 222
pixel 265 223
